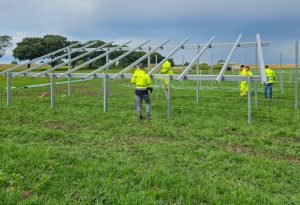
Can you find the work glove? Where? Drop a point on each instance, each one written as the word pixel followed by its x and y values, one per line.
pixel 151 90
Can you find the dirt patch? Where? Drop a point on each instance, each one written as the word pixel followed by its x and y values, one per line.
pixel 251 151
pixel 295 139
pixel 26 194
pixel 60 126
pixel 240 149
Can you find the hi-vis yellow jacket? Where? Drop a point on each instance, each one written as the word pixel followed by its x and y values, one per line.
pixel 270 75
pixel 166 68
pixel 141 79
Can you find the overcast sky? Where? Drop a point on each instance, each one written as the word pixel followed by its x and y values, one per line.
pixel 277 21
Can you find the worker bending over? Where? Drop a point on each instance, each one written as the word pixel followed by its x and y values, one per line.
pixel 143 84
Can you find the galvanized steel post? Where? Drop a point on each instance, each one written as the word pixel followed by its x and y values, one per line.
pixel 296 74
pixel 69 77
pixel 105 88
pixel 52 100
pixel 256 100
pixel 169 96
pixel 249 100
pixel 105 85
pixel 197 71
pixel 8 88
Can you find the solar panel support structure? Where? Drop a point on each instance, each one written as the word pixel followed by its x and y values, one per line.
pixel 168 56
pixel 93 60
pixel 140 60
pixel 194 46
pixel 187 69
pixel 115 60
pixel 50 61
pixel 36 59
pixel 72 60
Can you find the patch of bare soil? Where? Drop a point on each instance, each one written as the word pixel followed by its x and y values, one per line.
pixel 251 151
pixel 26 194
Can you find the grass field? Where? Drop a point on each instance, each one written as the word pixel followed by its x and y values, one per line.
pixel 205 154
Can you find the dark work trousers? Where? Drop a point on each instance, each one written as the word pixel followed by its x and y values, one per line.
pixel 140 96
pixel 268 88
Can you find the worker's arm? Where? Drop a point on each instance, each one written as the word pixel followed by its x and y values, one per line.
pixel 164 70
pixel 133 79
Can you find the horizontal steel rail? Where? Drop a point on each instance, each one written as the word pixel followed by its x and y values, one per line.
pixel 56 83
pixel 195 46
pixel 158 76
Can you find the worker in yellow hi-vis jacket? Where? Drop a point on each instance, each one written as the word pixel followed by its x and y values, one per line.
pixel 270 79
pixel 166 68
pixel 244 84
pixel 137 72
pixel 143 84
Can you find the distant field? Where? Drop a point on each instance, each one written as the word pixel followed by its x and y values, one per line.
pixel 205 154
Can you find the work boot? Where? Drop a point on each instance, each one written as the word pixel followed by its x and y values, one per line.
pixel 140 117
pixel 148 116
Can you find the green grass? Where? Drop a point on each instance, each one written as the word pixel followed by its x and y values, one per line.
pixel 205 154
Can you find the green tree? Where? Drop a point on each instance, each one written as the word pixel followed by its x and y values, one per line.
pixel 5 42
pixel 53 43
pixel 29 49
